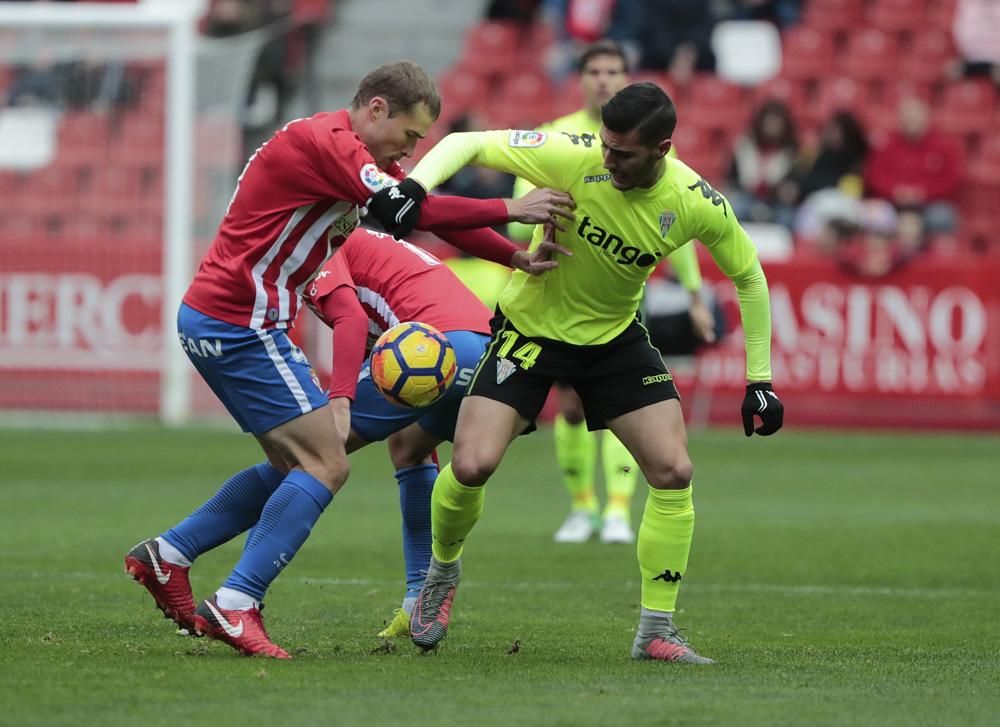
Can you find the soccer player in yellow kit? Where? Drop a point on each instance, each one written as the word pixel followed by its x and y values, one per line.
pixel 577 324
pixel 603 72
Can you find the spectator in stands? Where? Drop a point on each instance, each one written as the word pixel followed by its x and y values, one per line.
pixel 838 160
pixel 918 169
pixel 780 12
pixel 676 36
pixel 523 12
pixel 96 85
pixel 36 85
pixel 579 23
pixel 874 245
pixel 976 31
pixel 828 183
pixel 761 186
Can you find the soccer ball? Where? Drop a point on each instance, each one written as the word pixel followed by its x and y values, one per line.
pixel 413 364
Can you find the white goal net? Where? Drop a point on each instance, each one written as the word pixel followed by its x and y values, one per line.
pixel 119 145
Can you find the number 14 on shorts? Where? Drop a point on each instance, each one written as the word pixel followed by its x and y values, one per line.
pixel 525 354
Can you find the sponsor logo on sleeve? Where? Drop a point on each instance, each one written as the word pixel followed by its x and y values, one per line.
pixel 375 179
pixel 526 139
pixel 591 178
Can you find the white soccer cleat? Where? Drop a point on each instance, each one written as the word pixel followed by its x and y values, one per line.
pixel 616 529
pixel 578 527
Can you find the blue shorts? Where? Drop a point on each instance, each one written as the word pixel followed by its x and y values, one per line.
pixel 375 418
pixel 261 376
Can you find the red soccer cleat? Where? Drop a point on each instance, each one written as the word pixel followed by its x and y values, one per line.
pixel 432 611
pixel 243 630
pixel 166 582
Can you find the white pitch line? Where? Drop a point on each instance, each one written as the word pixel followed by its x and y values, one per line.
pixel 550 585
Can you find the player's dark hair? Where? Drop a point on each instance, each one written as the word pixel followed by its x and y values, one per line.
pixel 403 85
pixel 642 106
pixel 601 48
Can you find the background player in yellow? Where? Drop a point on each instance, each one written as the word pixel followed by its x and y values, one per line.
pixel 603 72
pixel 577 324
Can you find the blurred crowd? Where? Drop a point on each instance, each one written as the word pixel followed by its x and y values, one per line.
pixel 871 194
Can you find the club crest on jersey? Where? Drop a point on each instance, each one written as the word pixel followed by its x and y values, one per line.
pixel 343 226
pixel 375 179
pixel 505 368
pixel 526 139
pixel 667 220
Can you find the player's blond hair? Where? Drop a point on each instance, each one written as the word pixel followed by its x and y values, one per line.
pixel 403 85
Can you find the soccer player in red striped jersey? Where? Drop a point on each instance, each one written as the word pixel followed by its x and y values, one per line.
pixel 372 284
pixel 298 198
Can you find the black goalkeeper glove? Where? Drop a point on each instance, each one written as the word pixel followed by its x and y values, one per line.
pixel 397 207
pixel 762 401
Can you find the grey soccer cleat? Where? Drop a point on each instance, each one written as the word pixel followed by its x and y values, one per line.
pixel 666 644
pixel 432 611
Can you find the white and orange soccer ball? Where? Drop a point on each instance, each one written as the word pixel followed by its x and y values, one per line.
pixel 413 364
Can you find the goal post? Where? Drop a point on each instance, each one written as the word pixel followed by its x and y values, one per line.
pixel 124 143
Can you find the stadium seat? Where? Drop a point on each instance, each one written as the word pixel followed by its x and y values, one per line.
pixel 807 54
pixel 896 16
pixel 715 104
pixel 840 94
pixel 218 140
pixel 524 102
pixel 833 15
pixel 747 52
pixel 927 57
pixel 871 55
pixel 967 107
pixel 491 47
pixel 567 98
pixel 939 14
pixel 462 91
pixel 664 81
pixel 793 93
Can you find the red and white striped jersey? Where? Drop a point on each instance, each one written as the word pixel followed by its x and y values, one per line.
pixel 296 200
pixel 395 282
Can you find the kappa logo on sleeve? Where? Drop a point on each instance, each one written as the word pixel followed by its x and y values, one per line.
pixel 527 139
pixel 375 179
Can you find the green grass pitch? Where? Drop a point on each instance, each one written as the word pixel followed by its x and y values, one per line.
pixel 838 579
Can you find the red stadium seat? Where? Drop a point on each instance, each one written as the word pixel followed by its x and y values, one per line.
pixel 807 53
pixel 968 107
pixel 715 105
pixel 567 99
pixel 939 14
pixel 491 47
pixel 524 101
pixel 84 128
pixel 840 94
pixel 833 15
pixel 792 93
pixel 928 56
pixel 897 16
pixel 462 91
pixel 871 55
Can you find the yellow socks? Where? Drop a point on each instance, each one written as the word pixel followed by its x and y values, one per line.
pixel 455 509
pixel 620 476
pixel 576 452
pixel 663 546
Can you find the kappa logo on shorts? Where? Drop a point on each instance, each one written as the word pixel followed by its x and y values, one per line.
pixel 298 354
pixel 658 379
pixel 505 368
